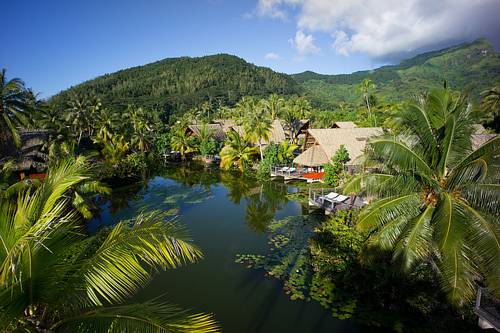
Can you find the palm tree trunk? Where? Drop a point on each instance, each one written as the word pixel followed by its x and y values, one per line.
pixel 261 154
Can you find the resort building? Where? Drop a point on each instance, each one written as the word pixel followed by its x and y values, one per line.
pixel 277 134
pixel 31 161
pixel 216 130
pixel 321 144
pixel 344 124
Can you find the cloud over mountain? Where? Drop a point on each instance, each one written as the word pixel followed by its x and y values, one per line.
pixel 390 27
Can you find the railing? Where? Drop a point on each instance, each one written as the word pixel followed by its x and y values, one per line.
pixel 318 197
pixel 488 308
pixel 286 171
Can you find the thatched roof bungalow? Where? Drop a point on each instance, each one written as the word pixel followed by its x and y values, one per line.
pixel 277 134
pixel 216 130
pixel 30 158
pixel 344 124
pixel 321 144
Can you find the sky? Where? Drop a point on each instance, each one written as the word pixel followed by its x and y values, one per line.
pixel 54 44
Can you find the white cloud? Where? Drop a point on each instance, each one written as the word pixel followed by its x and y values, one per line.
pixel 304 43
pixel 272 56
pixel 391 27
pixel 273 8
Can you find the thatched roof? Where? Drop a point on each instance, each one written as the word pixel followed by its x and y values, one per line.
pixel 344 124
pixel 226 124
pixel 215 129
pixel 479 129
pixel 480 139
pixel 329 141
pixel 277 134
pixel 313 156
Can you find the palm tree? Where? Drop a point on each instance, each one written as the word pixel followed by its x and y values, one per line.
pixel 182 143
pixel 116 149
pixel 274 104
pixel 54 278
pixel 13 107
pixel 366 87
pixel 439 199
pixel 236 151
pixel 257 127
pixel 285 151
pixel 78 115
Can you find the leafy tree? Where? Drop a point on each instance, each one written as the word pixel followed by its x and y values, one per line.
pixel 335 169
pixel 236 151
pixel 54 278
pixel 13 107
pixel 490 105
pixel 439 199
pixel 341 155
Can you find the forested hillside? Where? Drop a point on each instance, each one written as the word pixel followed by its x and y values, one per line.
pixel 178 84
pixel 472 67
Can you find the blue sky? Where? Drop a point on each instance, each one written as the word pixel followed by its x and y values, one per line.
pixel 52 45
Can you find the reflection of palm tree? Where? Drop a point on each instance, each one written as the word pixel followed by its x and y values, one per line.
pixel 258 214
pixel 238 186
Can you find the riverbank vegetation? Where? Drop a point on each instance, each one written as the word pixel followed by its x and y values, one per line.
pixel 432 221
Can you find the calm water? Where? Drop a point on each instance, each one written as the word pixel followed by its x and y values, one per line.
pixel 226 215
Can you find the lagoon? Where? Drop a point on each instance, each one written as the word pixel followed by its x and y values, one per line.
pixel 226 215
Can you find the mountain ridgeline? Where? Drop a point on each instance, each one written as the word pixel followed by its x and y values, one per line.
pixel 470 67
pixel 179 84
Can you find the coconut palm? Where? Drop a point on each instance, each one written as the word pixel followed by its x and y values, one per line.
pixel 54 278
pixel 236 151
pixel 78 115
pixel 366 87
pixel 274 103
pixel 182 143
pixel 258 127
pixel 438 199
pixel 285 151
pixel 13 107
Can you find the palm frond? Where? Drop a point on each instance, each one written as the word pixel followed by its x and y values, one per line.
pixel 398 153
pixel 415 246
pixel 116 270
pixel 152 316
pixel 385 210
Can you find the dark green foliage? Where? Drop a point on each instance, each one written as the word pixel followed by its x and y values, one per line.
pixel 471 67
pixel 209 147
pixel 334 170
pixel 270 159
pixel 179 84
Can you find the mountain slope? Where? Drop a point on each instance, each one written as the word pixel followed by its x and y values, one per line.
pixel 177 84
pixel 472 67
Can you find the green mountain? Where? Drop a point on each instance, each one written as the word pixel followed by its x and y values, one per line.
pixel 471 67
pixel 178 84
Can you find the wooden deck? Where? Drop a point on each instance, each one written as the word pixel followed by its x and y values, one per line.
pixel 488 310
pixel 294 173
pixel 330 204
